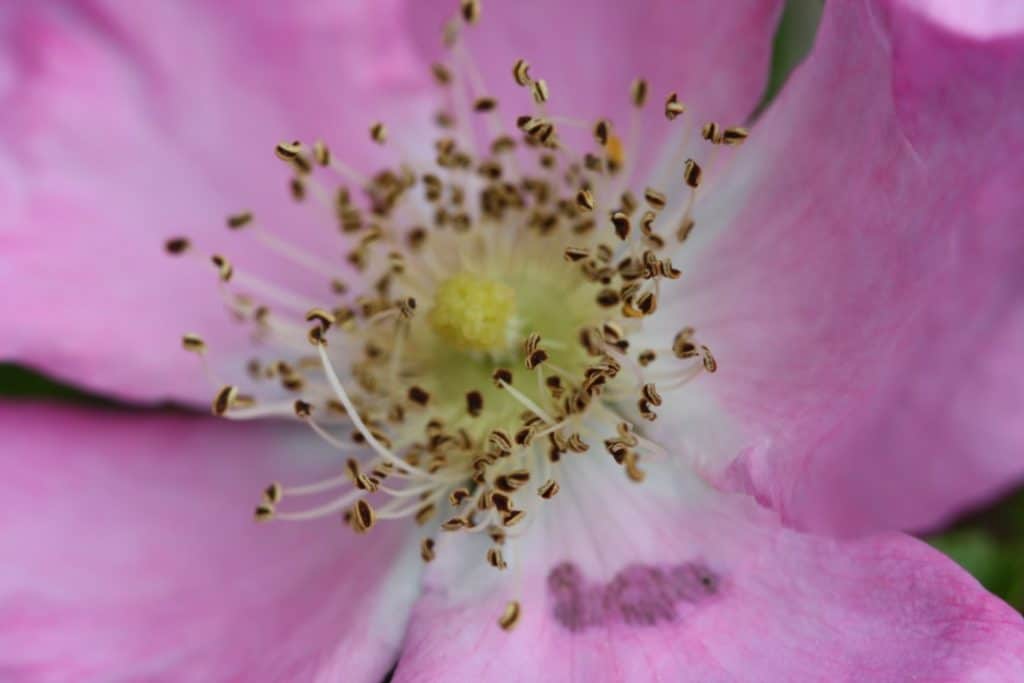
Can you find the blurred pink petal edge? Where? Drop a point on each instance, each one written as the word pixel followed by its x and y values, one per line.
pixel 158 506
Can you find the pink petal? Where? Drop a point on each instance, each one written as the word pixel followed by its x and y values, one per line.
pixel 130 553
pixel 866 302
pixel 590 51
pixel 667 581
pixel 124 127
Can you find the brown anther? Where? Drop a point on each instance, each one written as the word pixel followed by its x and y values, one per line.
pixel 193 343
pixel 427 553
pixel 470 11
pixel 673 107
pixel 576 444
pixel 272 494
pixel 585 200
pixel 425 513
pixel 621 224
pixel 602 132
pixel 224 399
pixel 512 517
pixel 656 200
pixel 317 335
pixel 682 345
pixel 711 132
pixel 454 524
pixel 521 72
pixel 286 151
pixel 510 617
pixel 495 559
pixel 418 395
pixel 364 482
pixel 536 358
pixel 735 135
pixel 239 220
pixel 710 364
pixel 224 268
pixel 647 304
pixel 646 357
pixel 474 403
pixel 500 501
pixel 378 133
pixel 363 516
pixel 638 92
pixel 176 246
pixel 646 411
pixel 485 104
pixel 540 91
pixel 320 316
pixel 607 297
pixel 501 376
pixel 263 512
pixel 458 496
pixel 548 490
pixel 302 409
pixel 301 164
pixel 441 74
pixel 650 394
pixel 321 154
pixel 685 228
pixel 575 253
pixel 691 173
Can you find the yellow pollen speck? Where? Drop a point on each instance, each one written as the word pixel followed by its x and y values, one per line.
pixel 473 312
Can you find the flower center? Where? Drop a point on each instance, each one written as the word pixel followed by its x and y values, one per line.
pixel 474 313
pixel 499 320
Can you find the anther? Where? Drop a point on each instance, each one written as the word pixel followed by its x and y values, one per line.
pixel 320 316
pixel 638 92
pixel 263 513
pixel 548 490
pixel 521 72
pixel 620 222
pixel 585 200
pixel 224 399
pixel 572 254
pixel 692 173
pixel 685 228
pixel 650 394
pixel 427 553
pixel 418 395
pixel 735 136
pixel 510 617
pixel 239 220
pixel 602 131
pixel 272 494
pixel 495 559
pixel 540 91
pixel 501 376
pixel 470 10
pixel 363 516
pixel 655 199
pixel 673 107
pixel 710 364
pixel 485 104
pixel 224 268
pixel 378 133
pixel 302 409
pixel 711 132
pixel 474 403
pixel 177 246
pixel 287 151
pixel 193 343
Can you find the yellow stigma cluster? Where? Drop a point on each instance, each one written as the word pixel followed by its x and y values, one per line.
pixel 473 313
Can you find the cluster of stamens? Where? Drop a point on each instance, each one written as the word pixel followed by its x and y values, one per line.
pixel 492 336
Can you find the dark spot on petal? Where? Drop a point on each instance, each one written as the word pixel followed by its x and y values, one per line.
pixel 638 595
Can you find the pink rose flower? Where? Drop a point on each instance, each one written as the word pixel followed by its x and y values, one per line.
pixel 593 402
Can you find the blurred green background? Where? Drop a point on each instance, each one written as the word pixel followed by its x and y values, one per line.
pixel 989 543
